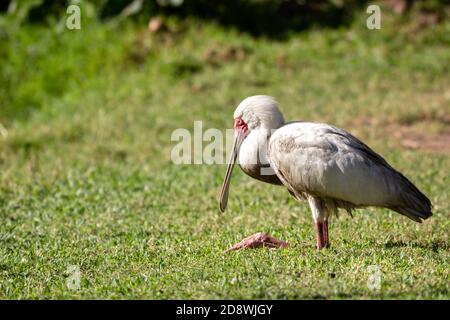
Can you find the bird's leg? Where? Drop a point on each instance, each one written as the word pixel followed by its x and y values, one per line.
pixel 320 216
pixel 321 242
pixel 325 233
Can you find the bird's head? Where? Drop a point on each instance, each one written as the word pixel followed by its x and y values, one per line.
pixel 255 112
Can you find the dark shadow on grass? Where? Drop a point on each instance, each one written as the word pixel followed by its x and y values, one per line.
pixel 434 245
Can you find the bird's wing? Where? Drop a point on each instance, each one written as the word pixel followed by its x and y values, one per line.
pixel 325 161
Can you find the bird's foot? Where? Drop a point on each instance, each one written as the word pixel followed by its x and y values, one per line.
pixel 259 240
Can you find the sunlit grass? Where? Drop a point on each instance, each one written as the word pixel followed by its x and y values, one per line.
pixel 86 177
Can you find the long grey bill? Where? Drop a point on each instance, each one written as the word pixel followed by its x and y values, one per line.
pixel 226 181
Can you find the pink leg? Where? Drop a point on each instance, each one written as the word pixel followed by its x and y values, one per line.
pixel 325 233
pixel 320 235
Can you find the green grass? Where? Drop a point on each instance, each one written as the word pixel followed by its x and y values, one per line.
pixel 86 177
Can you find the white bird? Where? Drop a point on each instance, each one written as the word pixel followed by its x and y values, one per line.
pixel 318 163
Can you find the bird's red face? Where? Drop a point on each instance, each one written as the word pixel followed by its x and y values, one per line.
pixel 240 132
pixel 240 126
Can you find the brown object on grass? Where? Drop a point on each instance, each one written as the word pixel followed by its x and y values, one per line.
pixel 258 240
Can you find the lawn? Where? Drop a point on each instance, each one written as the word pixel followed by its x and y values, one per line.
pixel 86 178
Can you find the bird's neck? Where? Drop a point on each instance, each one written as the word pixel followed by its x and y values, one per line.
pixel 253 150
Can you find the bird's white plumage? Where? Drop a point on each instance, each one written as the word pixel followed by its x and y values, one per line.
pixel 319 163
pixel 260 112
pixel 325 161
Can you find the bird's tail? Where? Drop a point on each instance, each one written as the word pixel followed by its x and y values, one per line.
pixel 415 205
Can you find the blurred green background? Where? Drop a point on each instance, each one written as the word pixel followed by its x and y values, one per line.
pixel 32 29
pixel 86 118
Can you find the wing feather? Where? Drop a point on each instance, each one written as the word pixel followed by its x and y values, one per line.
pixel 325 161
